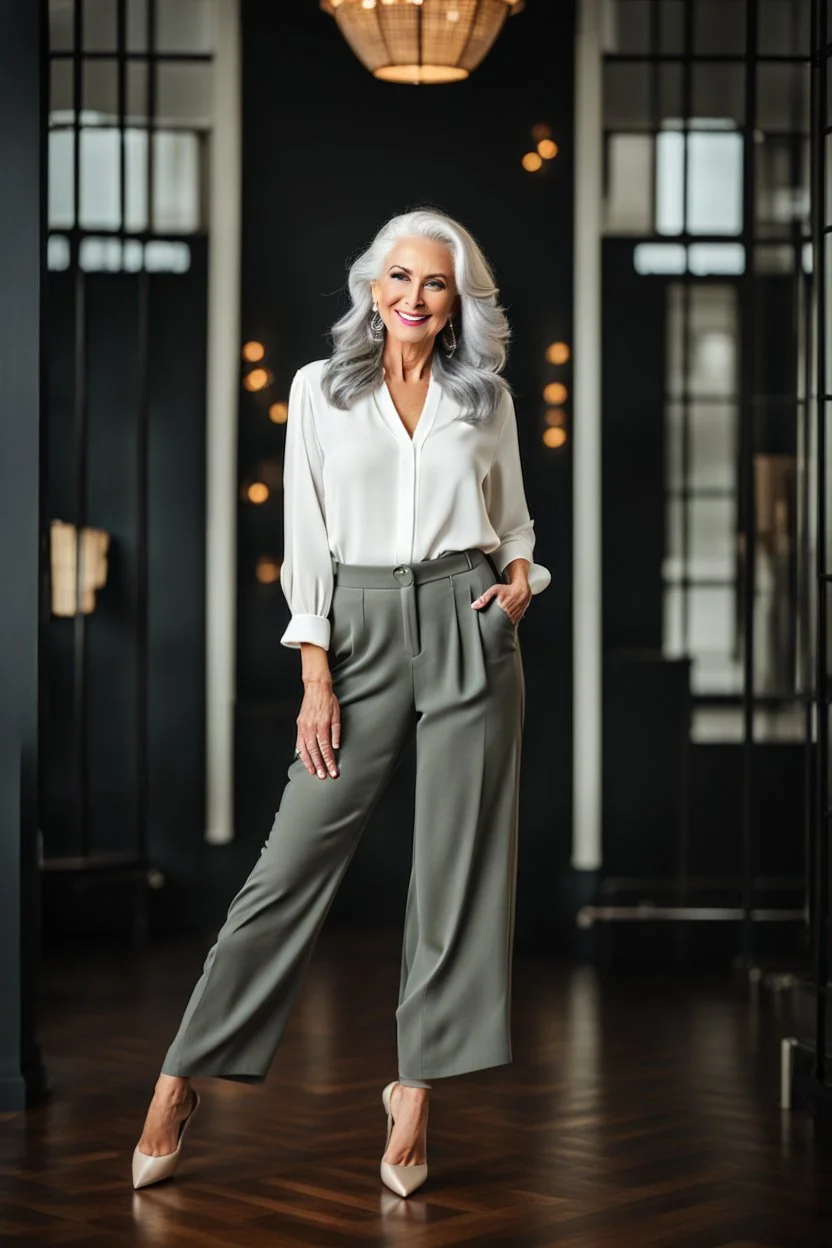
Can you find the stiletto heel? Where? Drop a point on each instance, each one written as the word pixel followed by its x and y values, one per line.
pixel 401 1179
pixel 147 1169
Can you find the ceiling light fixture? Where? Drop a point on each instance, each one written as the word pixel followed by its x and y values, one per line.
pixel 421 41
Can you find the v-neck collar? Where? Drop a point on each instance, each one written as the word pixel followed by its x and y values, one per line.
pixel 388 410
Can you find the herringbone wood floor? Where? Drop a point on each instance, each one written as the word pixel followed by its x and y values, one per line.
pixel 639 1111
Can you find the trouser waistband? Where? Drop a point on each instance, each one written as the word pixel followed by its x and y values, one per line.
pixel 388 576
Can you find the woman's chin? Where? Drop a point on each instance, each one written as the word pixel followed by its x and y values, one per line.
pixel 408 337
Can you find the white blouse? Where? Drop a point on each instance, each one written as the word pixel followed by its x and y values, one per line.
pixel 356 486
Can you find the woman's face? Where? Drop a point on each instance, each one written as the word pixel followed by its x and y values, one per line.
pixel 416 292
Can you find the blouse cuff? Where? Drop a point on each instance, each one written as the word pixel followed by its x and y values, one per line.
pixel 539 576
pixel 314 628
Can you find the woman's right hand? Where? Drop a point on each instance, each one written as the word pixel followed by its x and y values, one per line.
pixel 319 726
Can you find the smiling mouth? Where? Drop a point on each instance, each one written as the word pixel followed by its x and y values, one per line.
pixel 411 320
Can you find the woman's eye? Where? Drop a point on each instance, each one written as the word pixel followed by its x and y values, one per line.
pixel 436 284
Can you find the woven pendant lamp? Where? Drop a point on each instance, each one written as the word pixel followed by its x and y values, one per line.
pixel 421 41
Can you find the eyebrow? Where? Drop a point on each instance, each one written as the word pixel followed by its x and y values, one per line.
pixel 410 273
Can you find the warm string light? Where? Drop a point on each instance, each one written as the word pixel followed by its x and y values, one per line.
pixel 257 379
pixel 279 413
pixel 545 148
pixel 253 351
pixel 555 394
pixel 267 570
pixel 257 492
pixel 557 353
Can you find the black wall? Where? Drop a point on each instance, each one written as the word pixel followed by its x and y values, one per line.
pixel 329 154
pixel 22 552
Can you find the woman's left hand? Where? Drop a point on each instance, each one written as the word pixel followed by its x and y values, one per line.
pixel 513 598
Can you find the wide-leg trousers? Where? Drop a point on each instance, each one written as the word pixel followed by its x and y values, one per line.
pixel 408 653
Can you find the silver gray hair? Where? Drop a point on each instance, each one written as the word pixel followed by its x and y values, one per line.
pixel 471 374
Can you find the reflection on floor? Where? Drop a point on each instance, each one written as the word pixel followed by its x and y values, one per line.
pixel 639 1110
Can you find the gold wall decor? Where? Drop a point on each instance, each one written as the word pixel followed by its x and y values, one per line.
pixel 64 552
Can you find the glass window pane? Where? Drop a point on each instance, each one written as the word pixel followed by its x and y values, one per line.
pixel 710 434
pixel 136 25
pixel 670 175
pixel 673 539
pixel 717 94
pixel 713 332
pixel 674 602
pixel 137 93
pixel 711 542
pixel 629 181
pixel 783 98
pixel 777 258
pixel 712 441
pixel 782 192
pixel 674 444
pixel 712 539
pixel 167 257
pixel 61 179
pixel 676 322
pixel 61 32
pixel 61 101
pixel 712 619
pixel 626 97
pixel 57 253
pixel 99 26
pixel 135 174
pixel 714 190
pixel 705 259
pixel 670 95
pixel 100 207
pixel 671 26
pixel 719 27
pixel 100 255
pixel 100 92
pixel 184 94
pixel 659 258
pixel 783 27
pixel 719 673
pixel 828 266
pixel 183 26
pixel 629 29
pixel 176 183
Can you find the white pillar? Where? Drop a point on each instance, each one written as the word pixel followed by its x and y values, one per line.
pixel 221 420
pixel 586 448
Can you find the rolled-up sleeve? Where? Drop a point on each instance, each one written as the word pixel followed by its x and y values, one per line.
pixel 306 574
pixel 508 510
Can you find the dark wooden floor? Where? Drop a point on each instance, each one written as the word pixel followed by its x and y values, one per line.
pixel 638 1111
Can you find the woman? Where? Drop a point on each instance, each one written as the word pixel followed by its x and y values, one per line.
pixel 407 567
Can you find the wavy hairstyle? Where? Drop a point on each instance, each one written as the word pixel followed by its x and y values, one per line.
pixel 471 374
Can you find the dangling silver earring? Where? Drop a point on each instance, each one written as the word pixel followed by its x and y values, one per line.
pixel 376 324
pixel 450 344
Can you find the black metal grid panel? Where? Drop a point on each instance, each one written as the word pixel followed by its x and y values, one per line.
pixel 130 15
pixel 816 1084
pixel 681 59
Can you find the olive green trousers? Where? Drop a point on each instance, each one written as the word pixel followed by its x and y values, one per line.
pixel 408 653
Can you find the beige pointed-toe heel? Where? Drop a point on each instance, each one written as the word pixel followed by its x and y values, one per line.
pixel 401 1179
pixel 147 1169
